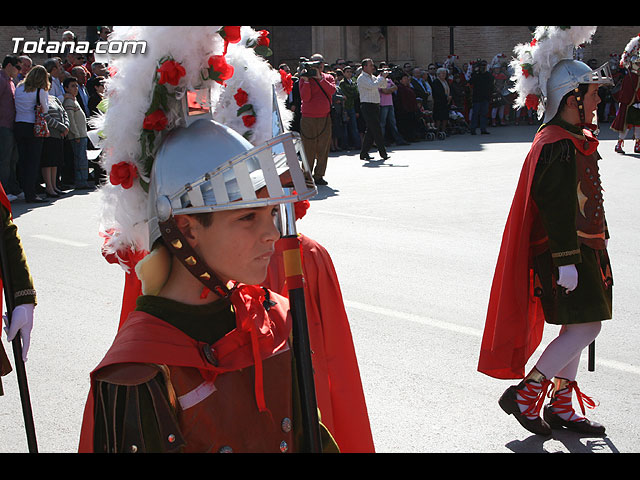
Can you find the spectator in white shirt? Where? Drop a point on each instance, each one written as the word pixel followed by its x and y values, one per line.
pixel 368 85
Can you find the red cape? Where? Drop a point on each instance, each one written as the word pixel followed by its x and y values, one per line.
pixel 147 339
pixel 5 365
pixel 339 390
pixel 515 321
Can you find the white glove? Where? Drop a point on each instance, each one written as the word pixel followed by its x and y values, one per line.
pixel 21 321
pixel 568 277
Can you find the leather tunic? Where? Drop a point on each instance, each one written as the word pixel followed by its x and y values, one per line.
pixel 238 426
pixel 590 220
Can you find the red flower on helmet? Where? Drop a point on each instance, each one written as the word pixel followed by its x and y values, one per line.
pixel 171 72
pixel 219 69
pixel 155 121
pixel 300 208
pixel 248 120
pixel 241 97
pixel 532 101
pixel 263 38
pixel 287 82
pixel 230 35
pixel 123 173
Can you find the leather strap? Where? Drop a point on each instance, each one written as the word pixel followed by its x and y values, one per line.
pixel 180 248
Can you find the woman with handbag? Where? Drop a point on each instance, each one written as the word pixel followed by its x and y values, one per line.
pixel 32 102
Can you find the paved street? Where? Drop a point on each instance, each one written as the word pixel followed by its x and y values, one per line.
pixel 414 241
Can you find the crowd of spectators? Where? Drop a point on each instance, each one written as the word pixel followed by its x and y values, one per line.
pixel 40 167
pixel 403 104
pixel 429 102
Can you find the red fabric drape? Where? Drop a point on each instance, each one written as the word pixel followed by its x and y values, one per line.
pixel 515 321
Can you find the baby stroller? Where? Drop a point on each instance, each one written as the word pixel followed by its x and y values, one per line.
pixel 457 123
pixel 430 130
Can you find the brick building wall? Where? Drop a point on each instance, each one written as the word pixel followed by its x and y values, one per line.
pixel 472 42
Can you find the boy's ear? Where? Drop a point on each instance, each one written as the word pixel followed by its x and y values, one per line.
pixel 572 102
pixel 186 225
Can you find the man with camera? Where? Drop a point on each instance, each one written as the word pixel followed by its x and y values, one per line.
pixel 316 90
pixel 368 85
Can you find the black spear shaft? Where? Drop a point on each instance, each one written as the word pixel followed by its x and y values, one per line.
pixel 17 349
pixel 301 344
pixel 592 356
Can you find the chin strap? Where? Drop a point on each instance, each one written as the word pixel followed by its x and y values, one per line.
pixel 180 248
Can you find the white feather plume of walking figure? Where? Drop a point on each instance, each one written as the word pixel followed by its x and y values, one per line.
pixel 534 61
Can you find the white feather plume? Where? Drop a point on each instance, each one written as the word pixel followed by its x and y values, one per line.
pixel 254 75
pixel 548 47
pixel 632 49
pixel 129 92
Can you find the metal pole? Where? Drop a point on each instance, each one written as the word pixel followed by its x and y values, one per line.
pixel 301 344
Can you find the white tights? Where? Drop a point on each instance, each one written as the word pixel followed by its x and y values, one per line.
pixel 562 356
pixel 636 133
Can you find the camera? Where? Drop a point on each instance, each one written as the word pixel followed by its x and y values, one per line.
pixel 307 68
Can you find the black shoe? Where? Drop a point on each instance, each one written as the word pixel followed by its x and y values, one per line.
pixel 320 181
pixel 583 426
pixel 365 157
pixel 508 403
pixel 484 132
pixel 386 157
pixel 36 200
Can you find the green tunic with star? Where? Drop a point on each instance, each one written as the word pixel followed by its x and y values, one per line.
pixel 556 191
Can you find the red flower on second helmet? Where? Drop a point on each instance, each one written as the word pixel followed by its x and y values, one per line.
pixel 155 121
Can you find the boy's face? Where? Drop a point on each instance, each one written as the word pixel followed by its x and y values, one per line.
pixel 591 101
pixel 239 243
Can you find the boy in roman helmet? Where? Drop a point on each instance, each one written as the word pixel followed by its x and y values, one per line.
pixel 553 265
pixel 204 363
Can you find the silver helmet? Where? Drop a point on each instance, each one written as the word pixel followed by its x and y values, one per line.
pixel 207 167
pixel 565 77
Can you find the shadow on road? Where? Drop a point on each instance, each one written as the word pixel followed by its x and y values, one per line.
pixel 573 443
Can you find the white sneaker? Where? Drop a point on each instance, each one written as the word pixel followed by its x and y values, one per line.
pixel 11 197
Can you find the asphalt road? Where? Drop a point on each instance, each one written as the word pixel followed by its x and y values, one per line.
pixel 414 240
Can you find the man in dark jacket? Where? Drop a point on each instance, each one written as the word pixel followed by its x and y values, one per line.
pixel 482 87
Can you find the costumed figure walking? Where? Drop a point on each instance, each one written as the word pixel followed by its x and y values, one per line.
pixel 628 97
pixel 205 361
pixel 19 295
pixel 553 265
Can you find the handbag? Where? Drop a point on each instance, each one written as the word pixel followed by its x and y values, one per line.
pixel 40 128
